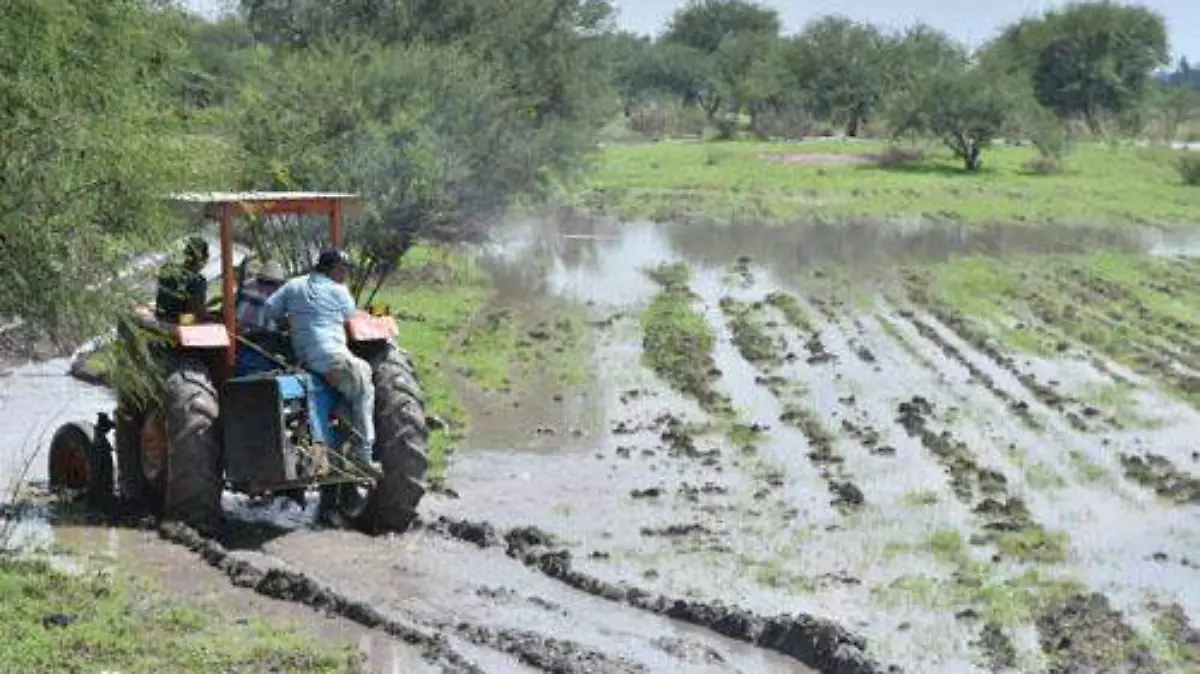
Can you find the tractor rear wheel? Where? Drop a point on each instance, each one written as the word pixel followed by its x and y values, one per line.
pixel 401 438
pixel 77 464
pixel 169 456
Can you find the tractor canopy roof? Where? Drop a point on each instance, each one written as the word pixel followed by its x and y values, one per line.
pixel 273 203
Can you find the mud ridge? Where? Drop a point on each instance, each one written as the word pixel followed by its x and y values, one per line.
pixel 795 315
pixel 847 497
pixel 817 643
pixel 1158 473
pixel 749 334
pixel 757 347
pixel 1018 407
pixel 677 343
pixel 1006 519
pixel 1063 404
pixel 1085 634
pixel 546 654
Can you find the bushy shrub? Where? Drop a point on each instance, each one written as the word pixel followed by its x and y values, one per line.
pixel 1189 168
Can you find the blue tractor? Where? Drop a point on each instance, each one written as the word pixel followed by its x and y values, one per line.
pixel 230 411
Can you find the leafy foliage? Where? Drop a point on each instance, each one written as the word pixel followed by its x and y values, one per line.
pixel 705 24
pixel 1087 60
pixel 1189 168
pixel 839 66
pixel 87 149
pixel 428 133
pixel 959 105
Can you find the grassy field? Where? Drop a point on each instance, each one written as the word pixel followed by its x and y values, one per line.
pixel 1139 310
pixel 449 327
pixel 751 181
pixel 54 622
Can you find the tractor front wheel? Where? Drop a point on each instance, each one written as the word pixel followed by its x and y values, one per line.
pixel 401 437
pixel 169 456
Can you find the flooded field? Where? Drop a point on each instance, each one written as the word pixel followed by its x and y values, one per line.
pixel 834 448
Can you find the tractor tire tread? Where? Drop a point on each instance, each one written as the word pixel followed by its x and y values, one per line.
pixel 401 441
pixel 193 490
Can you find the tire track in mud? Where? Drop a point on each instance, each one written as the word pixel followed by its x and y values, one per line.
pixel 817 643
pixel 767 354
pixel 532 649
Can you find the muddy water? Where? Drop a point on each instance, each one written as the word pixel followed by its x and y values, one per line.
pixel 764 535
pixel 35 399
pixel 637 497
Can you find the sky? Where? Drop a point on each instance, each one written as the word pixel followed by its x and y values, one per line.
pixel 972 22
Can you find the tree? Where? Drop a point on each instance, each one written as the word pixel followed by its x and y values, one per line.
pixel 703 24
pixel 430 135
pixel 734 62
pixel 89 147
pixel 630 66
pixel 958 104
pixel 1086 61
pixel 212 68
pixel 542 45
pixel 918 50
pixel 839 65
pixel 690 74
pixel 1173 106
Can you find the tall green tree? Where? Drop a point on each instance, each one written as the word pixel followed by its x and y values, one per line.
pixel 430 135
pixel 1087 61
pixel 704 24
pixel 89 147
pixel 840 66
pixel 959 104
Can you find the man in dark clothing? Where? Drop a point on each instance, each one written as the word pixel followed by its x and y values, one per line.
pixel 182 289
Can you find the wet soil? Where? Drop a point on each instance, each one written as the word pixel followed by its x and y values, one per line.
pixel 789 471
pixel 1086 634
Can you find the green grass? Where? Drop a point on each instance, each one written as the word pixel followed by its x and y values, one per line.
pixel 500 349
pixel 735 181
pixel 435 294
pixel 921 498
pixel 742 435
pixel 677 342
pixel 123 626
pixel 1131 308
pixel 1011 600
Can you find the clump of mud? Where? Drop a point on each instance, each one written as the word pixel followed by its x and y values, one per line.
pixel 998 651
pixel 741 271
pixel 530 648
pixel 1007 521
pixel 817 643
pixel 1085 634
pixel 789 306
pixel 749 334
pixel 1157 472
